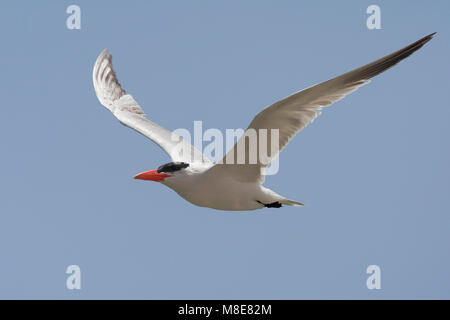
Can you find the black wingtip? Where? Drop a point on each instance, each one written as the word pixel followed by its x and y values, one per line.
pixel 419 43
pixel 372 69
pixel 429 37
pixel 426 38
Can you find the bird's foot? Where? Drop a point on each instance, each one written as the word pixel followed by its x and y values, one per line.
pixel 275 204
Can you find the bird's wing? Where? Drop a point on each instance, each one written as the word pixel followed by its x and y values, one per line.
pixel 295 112
pixel 128 112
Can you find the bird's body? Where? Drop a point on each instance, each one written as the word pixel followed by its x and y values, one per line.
pixel 234 186
pixel 201 188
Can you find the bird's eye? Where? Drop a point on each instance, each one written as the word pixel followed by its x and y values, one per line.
pixel 172 167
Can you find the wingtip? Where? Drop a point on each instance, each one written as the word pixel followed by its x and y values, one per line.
pixel 104 52
pixel 428 37
pixel 419 43
pixel 425 40
pixel 102 55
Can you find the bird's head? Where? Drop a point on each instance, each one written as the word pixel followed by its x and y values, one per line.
pixel 165 171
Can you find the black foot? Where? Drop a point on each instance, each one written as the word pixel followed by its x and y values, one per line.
pixel 275 204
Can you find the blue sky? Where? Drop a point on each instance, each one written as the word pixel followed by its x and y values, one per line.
pixel 373 170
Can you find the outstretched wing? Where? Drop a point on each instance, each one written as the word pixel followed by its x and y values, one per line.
pixel 295 112
pixel 128 112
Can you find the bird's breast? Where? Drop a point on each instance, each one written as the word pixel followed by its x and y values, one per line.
pixel 222 194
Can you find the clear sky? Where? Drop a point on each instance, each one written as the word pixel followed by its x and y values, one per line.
pixel 373 170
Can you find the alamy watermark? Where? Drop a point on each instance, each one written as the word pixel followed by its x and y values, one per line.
pixel 73 281
pixel 374 20
pixel 251 146
pixel 374 280
pixel 74 20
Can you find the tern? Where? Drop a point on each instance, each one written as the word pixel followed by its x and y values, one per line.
pixel 233 186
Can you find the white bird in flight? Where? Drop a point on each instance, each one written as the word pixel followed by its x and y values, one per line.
pixel 226 186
